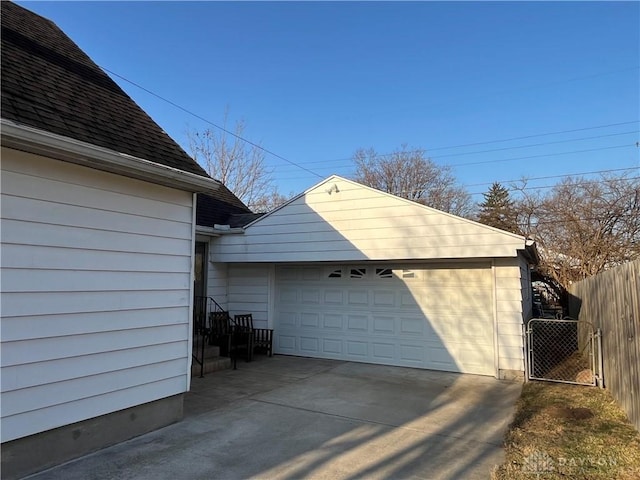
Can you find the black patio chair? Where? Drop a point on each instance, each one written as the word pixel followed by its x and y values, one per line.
pixel 261 338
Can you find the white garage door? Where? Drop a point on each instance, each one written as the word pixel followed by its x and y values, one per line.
pixel 437 318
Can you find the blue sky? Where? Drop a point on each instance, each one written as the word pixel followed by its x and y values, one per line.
pixel 316 81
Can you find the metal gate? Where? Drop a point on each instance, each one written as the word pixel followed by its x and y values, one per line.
pixel 563 350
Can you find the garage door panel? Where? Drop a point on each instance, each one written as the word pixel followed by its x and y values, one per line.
pixel 309 320
pixel 357 350
pixel 310 296
pixel 358 323
pixel 287 295
pixel 287 319
pixel 427 318
pixel 383 351
pixel 333 321
pixel 439 358
pixel 384 298
pixel 357 298
pixel 332 347
pixel 384 325
pixel 310 345
pixel 333 297
pixel 415 326
pixel 286 344
pixel 451 326
pixel 311 273
pixel 473 359
pixel 414 354
pixel 409 300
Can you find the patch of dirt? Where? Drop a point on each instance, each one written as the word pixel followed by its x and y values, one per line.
pixel 568 413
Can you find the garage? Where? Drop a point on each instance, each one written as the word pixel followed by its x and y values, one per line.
pixel 435 317
pixel 344 271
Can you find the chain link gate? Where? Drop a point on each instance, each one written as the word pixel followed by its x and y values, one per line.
pixel 563 350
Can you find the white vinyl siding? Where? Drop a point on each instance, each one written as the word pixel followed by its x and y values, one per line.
pixel 509 301
pixel 356 224
pixel 525 281
pixel 217 280
pixel 96 278
pixel 249 292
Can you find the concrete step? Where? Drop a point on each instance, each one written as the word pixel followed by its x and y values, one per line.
pixel 210 351
pixel 211 364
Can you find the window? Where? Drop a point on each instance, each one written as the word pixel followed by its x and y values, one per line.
pixel 408 274
pixel 337 273
pixel 358 272
pixel 384 273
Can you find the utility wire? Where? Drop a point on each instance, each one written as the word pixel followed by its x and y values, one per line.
pixel 536 135
pixel 539 187
pixel 540 156
pixel 211 123
pixel 519 158
pixel 490 141
pixel 580 184
pixel 573 220
pixel 551 176
pixel 433 149
pixel 482 151
pixel 537 144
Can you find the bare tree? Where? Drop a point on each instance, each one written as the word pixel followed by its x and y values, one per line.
pixel 410 174
pixel 582 227
pixel 239 165
pixel 270 202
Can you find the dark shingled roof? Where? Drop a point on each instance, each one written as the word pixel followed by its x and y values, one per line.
pixel 243 219
pixel 49 83
pixel 224 209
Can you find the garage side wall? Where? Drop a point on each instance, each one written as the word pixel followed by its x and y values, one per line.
pixel 249 290
pixel 217 283
pixel 509 282
pixel 96 289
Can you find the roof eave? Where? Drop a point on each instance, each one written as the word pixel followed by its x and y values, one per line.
pixel 40 142
pixel 531 251
pixel 217 231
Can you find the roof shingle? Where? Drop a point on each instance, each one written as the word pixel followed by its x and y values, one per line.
pixel 49 83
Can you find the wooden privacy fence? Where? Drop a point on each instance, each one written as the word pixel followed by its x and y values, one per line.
pixel 611 302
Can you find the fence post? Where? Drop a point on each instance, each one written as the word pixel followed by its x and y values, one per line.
pixel 600 377
pixel 525 343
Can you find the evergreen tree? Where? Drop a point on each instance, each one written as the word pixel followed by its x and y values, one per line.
pixel 498 210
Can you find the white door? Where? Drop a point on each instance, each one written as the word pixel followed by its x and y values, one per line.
pixel 438 317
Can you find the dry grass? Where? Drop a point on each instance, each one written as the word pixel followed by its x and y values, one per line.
pixel 563 431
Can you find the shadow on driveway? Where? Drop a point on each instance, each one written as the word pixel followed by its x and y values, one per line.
pixel 291 418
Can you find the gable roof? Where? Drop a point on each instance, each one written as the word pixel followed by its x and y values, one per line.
pixel 339 220
pixel 50 84
pixel 218 209
pixel 334 178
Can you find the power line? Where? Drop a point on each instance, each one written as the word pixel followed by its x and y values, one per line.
pixel 542 187
pixel 573 220
pixel 536 135
pixel 492 141
pixel 211 123
pixel 537 144
pixel 484 151
pixel 529 157
pixel 551 176
pixel 586 182
pixel 297 165
pixel 540 156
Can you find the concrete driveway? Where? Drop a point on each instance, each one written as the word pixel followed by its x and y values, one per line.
pixel 293 418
